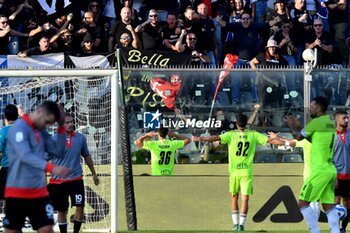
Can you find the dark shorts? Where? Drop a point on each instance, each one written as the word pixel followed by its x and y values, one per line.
pixel 3 178
pixel 343 188
pixel 59 194
pixel 39 211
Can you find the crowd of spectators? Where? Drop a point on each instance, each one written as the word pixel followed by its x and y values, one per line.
pixel 208 29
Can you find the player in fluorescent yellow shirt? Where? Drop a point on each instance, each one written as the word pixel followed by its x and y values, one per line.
pixel 241 149
pixel 320 131
pixel 162 150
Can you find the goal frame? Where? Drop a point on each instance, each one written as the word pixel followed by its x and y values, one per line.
pixel 50 72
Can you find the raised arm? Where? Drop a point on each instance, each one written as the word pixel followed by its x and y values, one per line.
pixel 221 21
pixel 139 142
pixel 14 14
pixel 35 31
pixel 135 37
pixel 65 25
pixel 253 116
pixel 295 127
pixel 206 139
pixel 141 27
pixel 58 34
pixel 179 46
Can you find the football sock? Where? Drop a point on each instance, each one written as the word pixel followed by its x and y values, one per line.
pixel 345 222
pixel 317 208
pixel 77 226
pixel 310 218
pixel 235 217
pixel 63 227
pixel 242 218
pixel 333 220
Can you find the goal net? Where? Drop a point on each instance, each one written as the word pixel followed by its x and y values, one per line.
pixel 88 99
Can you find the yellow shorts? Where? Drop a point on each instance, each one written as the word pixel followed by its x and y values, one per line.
pixel 241 184
pixel 319 186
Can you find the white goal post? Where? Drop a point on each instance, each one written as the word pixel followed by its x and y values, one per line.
pixel 83 87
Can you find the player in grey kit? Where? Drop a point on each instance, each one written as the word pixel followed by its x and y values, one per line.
pixel 342 163
pixel 26 193
pixel 61 188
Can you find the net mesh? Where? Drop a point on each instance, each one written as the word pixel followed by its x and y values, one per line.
pixel 88 99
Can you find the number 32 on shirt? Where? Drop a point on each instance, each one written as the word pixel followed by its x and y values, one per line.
pixel 242 148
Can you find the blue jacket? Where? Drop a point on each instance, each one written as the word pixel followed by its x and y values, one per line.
pixel 27 147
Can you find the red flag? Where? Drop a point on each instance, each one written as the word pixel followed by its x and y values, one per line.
pixel 229 62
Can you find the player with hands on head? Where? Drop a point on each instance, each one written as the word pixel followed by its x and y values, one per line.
pixel 241 149
pixel 61 187
pixel 26 193
pixel 162 150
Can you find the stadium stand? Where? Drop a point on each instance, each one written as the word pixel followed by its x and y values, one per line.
pixel 292 158
pixel 22 26
pixel 266 158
